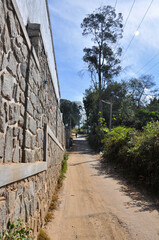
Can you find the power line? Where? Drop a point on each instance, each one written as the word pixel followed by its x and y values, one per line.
pixel 115 3
pixel 138 28
pixel 129 14
pixel 156 55
pixel 126 21
pixel 151 68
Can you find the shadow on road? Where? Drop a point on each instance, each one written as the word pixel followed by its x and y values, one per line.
pixel 139 198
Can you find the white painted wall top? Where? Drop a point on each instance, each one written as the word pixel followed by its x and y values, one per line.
pixel 35 11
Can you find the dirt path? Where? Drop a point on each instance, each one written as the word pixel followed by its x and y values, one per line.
pixel 96 205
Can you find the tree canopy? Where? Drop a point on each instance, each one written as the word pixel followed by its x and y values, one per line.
pixel 104 27
pixel 71 112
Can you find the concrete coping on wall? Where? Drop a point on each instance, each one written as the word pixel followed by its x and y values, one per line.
pixel 14 172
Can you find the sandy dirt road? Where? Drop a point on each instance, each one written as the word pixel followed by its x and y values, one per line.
pixel 95 204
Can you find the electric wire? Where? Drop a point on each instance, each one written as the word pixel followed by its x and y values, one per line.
pixel 156 55
pixel 129 14
pixel 151 68
pixel 137 29
pixel 126 21
pixel 115 3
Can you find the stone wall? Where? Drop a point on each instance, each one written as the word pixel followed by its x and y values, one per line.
pixel 28 104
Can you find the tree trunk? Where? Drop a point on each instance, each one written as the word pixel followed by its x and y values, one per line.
pixel 100 86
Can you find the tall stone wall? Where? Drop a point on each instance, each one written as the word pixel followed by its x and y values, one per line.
pixel 28 104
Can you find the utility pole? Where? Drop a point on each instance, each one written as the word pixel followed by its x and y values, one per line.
pixel 110 116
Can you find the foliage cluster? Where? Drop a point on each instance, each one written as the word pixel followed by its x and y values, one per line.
pixel 43 235
pixel 71 112
pixel 63 169
pixel 137 152
pixel 17 230
pixel 53 203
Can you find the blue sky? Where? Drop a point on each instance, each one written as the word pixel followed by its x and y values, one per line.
pixel 66 17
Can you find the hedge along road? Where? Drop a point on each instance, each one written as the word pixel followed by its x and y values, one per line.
pixel 96 204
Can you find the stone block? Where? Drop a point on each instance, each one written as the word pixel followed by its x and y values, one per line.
pixel 28 141
pixel 2 124
pixel 19 190
pixel 3 214
pixel 6 40
pixel 12 66
pixel 16 153
pixel 4 62
pixel 2 19
pixel 39 138
pixel 25 52
pixel 7 86
pixel 9 5
pixel 17 52
pixel 21 121
pixel 34 100
pixel 22 110
pixel 19 41
pixel 23 68
pixel 22 208
pixel 2 141
pixel 16 92
pixel 15 131
pixel 17 208
pixel 26 204
pixel 14 113
pixel 8 145
pixel 11 196
pixel 37 155
pixel 11 24
pixel 22 83
pixel 33 142
pixel 20 137
pixel 31 189
pixel 22 97
pixel 31 82
pixel 29 155
pixel 1 58
pixel 30 109
pixel 32 125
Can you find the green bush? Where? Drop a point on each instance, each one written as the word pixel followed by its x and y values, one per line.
pixel 117 143
pixel 97 135
pixel 17 230
pixel 137 152
pixel 43 235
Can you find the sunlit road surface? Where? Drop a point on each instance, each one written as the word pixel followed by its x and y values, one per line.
pixel 95 204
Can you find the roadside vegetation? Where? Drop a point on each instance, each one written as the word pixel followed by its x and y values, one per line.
pixel 17 230
pixel 53 204
pixel 122 115
pixel 136 152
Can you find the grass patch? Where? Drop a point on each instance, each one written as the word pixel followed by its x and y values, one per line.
pixel 48 217
pixel 43 235
pixel 17 230
pixel 55 197
pixel 53 204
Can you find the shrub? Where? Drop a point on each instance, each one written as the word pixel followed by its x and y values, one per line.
pixel 17 230
pixel 137 152
pixel 117 143
pixel 43 235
